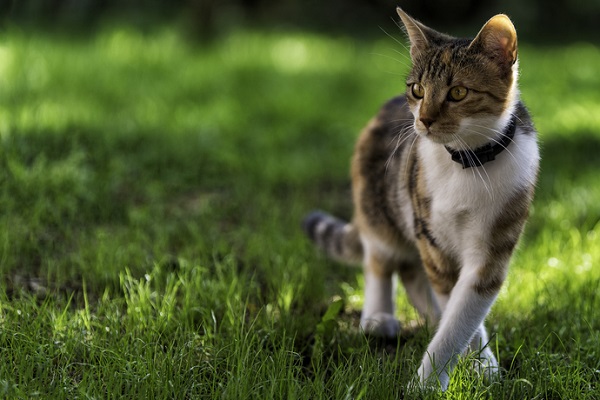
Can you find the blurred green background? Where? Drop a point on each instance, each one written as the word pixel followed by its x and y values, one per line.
pixel 537 19
pixel 156 158
pixel 135 133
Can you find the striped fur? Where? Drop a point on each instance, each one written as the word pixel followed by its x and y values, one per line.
pixel 448 232
pixel 335 237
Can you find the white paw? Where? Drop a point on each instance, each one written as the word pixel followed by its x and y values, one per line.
pixel 428 379
pixel 487 366
pixel 419 386
pixel 380 324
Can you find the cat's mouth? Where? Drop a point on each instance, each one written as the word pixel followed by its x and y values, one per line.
pixel 439 138
pixel 435 135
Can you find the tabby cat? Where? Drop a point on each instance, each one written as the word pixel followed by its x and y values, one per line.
pixel 442 181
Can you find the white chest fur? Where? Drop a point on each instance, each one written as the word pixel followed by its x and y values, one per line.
pixel 465 202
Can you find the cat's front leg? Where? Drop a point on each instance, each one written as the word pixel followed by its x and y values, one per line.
pixel 463 316
pixel 419 291
pixel 485 363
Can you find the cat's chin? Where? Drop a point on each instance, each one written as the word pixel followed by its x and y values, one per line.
pixel 437 137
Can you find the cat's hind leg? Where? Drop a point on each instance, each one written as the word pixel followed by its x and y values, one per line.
pixel 377 316
pixel 419 291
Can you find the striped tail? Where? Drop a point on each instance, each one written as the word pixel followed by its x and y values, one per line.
pixel 338 239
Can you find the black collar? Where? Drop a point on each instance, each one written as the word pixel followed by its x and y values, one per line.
pixel 481 155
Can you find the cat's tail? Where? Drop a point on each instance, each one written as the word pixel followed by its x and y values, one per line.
pixel 337 238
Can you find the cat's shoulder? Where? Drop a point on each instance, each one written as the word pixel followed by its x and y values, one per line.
pixel 380 136
pixel 395 110
pixel 524 119
pixel 393 117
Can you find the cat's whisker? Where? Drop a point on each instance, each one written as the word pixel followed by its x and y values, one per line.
pixel 495 141
pixel 513 114
pixel 491 138
pixel 405 128
pixel 399 135
pixel 497 131
pixel 471 157
pixel 409 155
pixel 402 120
pixel 402 125
pixel 394 59
pixel 491 130
pixel 403 54
pixel 402 136
pixel 460 145
pixel 397 40
pixel 476 132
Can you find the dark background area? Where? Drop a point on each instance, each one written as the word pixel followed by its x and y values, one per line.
pixel 540 20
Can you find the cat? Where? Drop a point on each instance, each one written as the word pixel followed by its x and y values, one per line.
pixel 442 181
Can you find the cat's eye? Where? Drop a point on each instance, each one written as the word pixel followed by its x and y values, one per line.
pixel 418 91
pixel 457 93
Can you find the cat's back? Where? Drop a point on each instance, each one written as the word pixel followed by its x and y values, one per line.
pixel 392 121
pixel 380 156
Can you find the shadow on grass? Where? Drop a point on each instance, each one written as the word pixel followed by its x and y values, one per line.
pixel 569 157
pixel 569 178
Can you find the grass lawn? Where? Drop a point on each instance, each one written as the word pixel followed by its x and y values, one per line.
pixel 151 192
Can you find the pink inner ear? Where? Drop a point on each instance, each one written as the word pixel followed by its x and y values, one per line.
pixel 504 42
pixel 508 48
pixel 498 37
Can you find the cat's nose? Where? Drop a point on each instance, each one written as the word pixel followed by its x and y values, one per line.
pixel 427 121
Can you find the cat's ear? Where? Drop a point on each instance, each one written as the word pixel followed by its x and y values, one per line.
pixel 498 39
pixel 419 35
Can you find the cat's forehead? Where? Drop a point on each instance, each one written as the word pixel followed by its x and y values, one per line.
pixel 445 62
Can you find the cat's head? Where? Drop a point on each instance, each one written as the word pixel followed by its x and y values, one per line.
pixel 462 91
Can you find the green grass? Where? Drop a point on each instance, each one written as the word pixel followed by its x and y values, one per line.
pixel 151 191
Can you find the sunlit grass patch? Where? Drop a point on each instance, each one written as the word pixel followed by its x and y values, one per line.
pixel 559 85
pixel 151 194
